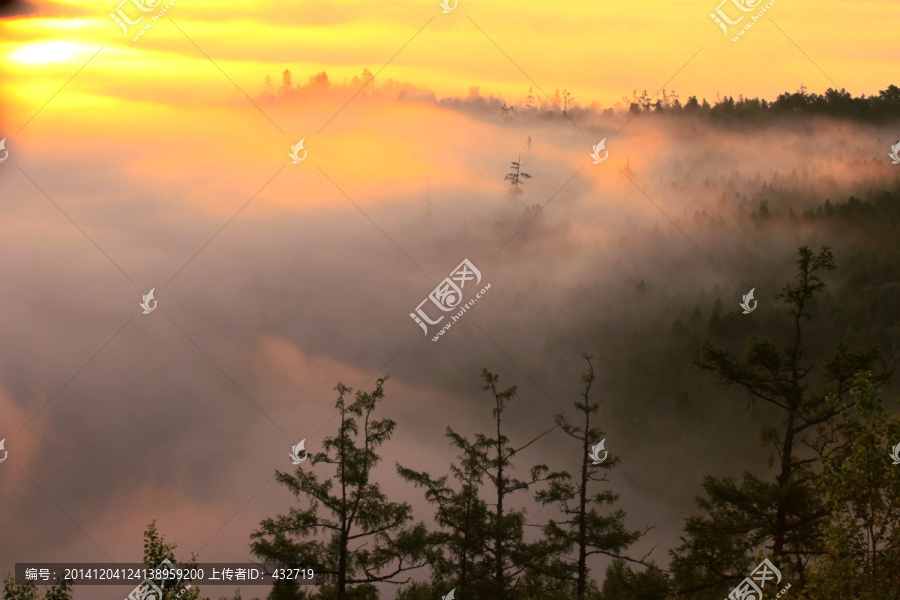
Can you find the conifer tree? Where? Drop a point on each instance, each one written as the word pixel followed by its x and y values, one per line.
pixel 516 176
pixel 584 529
pixel 480 548
pixel 369 539
pixel 507 553
pixel 456 550
pixel 779 519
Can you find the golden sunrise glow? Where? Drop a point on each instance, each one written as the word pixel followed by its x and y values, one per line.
pixel 149 149
pixel 41 53
pixel 598 51
pixel 191 94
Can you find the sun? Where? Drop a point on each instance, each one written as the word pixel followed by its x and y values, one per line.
pixel 40 53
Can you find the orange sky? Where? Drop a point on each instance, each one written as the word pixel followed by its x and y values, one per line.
pixel 153 147
pixel 597 50
pixel 186 98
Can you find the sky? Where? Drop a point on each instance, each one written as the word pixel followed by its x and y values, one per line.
pixel 164 163
pixel 598 51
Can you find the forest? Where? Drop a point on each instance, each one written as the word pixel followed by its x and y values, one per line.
pixel 825 514
pixel 833 103
pixel 725 109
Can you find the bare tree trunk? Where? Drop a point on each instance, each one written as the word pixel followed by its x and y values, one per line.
pixel 582 515
pixel 582 498
pixel 499 574
pixel 345 526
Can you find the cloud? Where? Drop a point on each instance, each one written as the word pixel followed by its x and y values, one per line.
pixel 276 281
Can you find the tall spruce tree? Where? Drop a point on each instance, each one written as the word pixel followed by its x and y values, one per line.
pixel 585 529
pixel 369 539
pixel 456 550
pixel 485 552
pixel 516 177
pixel 507 552
pixel 778 518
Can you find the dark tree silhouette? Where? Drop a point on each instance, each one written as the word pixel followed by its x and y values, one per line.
pixel 781 517
pixel 369 537
pixel 582 527
pixel 515 176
